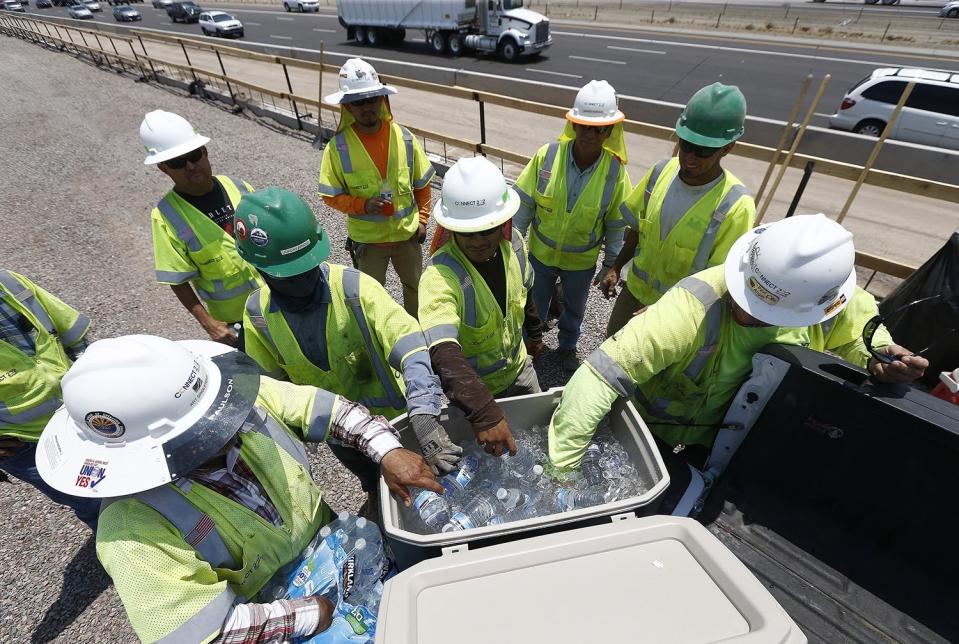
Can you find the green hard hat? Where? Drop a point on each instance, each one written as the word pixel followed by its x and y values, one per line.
pixel 276 231
pixel 714 116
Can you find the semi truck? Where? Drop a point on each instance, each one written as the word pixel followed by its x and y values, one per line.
pixel 502 27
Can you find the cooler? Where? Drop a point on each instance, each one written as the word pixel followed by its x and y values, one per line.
pixel 409 547
pixel 656 579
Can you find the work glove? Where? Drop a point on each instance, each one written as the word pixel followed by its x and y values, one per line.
pixel 440 452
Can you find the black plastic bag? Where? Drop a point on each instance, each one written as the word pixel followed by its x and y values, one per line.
pixel 932 322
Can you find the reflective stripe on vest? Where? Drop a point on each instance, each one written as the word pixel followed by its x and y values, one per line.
pixel 594 239
pixel 713 322
pixel 351 291
pixel 546 170
pixel 653 178
pixel 610 371
pixel 735 193
pixel 180 226
pixel 343 150
pixel 255 310
pixel 198 528
pixel 45 408
pixel 26 297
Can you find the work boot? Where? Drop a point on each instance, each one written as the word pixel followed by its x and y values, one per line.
pixel 568 360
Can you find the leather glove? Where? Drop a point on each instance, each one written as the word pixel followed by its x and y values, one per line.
pixel 440 452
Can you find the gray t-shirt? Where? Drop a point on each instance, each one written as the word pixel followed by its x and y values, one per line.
pixel 680 197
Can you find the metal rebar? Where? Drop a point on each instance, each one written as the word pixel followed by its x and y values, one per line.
pixel 188 63
pixel 289 86
pixel 806 173
pixel 156 78
pixel 225 79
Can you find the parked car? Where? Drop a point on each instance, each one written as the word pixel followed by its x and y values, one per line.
pixel 220 23
pixel 126 13
pixel 184 11
pixel 162 4
pixel 302 5
pixel 93 5
pixel 43 4
pixel 929 117
pixel 950 9
pixel 13 5
pixel 80 12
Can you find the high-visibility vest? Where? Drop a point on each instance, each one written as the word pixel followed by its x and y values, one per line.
pixel 563 235
pixel 368 339
pixel 348 169
pixel 701 238
pixel 182 555
pixel 683 360
pixel 456 305
pixel 30 385
pixel 189 247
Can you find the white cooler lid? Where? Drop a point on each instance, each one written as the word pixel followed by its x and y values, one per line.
pixel 658 580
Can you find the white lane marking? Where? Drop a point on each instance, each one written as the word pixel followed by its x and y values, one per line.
pixel 599 60
pixel 827 116
pixel 326 31
pixel 255 24
pixel 546 71
pixel 284 18
pixel 281 37
pixel 642 51
pixel 746 50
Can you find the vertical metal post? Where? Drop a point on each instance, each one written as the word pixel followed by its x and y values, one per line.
pixel 806 173
pixel 225 79
pixel 187 56
pixel 482 110
pixel 136 57
pixel 60 37
pixel 100 47
pixel 289 86
pixel 87 45
pixel 119 60
pixel 149 60
pixel 319 92
pixel 886 32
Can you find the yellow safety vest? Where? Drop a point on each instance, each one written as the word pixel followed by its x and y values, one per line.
pixel 348 169
pixel 564 235
pixel 701 238
pixel 181 555
pixel 189 247
pixel 366 360
pixel 30 385
pixel 456 305
pixel 683 360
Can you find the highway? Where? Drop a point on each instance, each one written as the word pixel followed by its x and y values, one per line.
pixel 666 68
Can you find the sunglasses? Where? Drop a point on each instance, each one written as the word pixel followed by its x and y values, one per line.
pixel 367 101
pixel 869 330
pixel 598 129
pixel 178 163
pixel 699 150
pixel 482 233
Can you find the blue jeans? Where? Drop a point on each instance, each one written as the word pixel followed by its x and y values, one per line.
pixel 23 465
pixel 575 285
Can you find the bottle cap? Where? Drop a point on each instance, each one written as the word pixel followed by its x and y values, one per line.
pixel 537 470
pixel 501 493
pixel 343 516
pixel 325 531
pixel 360 543
pixel 361 523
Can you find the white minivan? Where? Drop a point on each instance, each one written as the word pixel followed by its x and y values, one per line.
pixel 930 116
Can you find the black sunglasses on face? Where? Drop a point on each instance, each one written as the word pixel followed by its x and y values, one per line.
pixel 598 129
pixel 481 233
pixel 366 101
pixel 178 163
pixel 700 151
pixel 869 330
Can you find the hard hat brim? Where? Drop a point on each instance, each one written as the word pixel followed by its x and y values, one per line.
pixel 302 264
pixel 735 272
pixel 492 220
pixel 695 138
pixel 341 98
pixel 196 142
pixel 63 451
pixel 619 117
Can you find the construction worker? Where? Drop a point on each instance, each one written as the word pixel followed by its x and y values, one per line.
pixel 326 325
pixel 477 302
pixel 687 211
pixel 40 337
pixel 190 537
pixel 192 228
pixel 375 172
pixel 684 358
pixel 571 192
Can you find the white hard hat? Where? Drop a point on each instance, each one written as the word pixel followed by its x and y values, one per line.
pixel 140 411
pixel 595 104
pixel 475 197
pixel 166 135
pixel 358 80
pixel 795 272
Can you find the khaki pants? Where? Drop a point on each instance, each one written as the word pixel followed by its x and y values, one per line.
pixel 526 382
pixel 623 311
pixel 407 258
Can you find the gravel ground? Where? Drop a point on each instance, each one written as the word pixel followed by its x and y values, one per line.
pixel 76 199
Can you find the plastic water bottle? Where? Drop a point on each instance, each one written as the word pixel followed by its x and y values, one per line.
pixel 459 479
pixel 371 565
pixel 520 463
pixel 568 499
pixel 386 191
pixel 536 479
pixel 433 509
pixel 592 470
pixel 364 529
pixel 517 504
pixel 476 514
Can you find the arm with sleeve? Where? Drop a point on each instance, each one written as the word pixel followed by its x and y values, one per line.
pixel 615 222
pixel 525 187
pixel 71 325
pixel 423 173
pixel 668 332
pixel 172 262
pixel 845 335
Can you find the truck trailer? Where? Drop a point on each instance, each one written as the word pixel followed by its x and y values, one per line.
pixel 503 27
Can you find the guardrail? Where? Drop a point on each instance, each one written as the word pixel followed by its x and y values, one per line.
pixel 241 91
